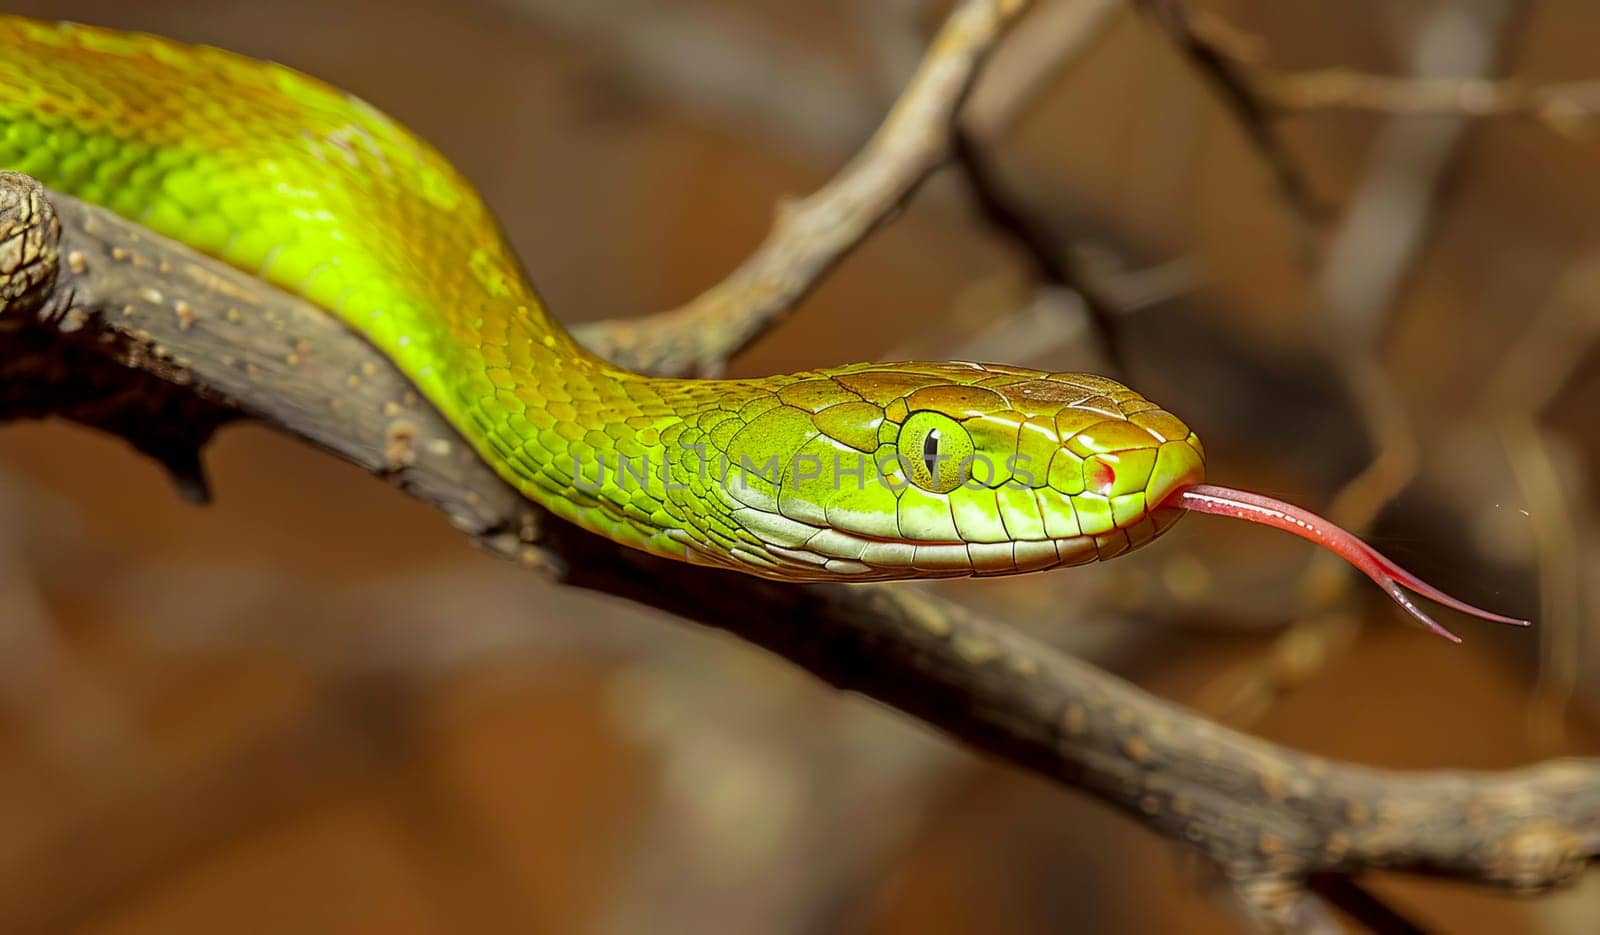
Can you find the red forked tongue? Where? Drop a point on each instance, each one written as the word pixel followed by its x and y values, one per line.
pixel 1242 504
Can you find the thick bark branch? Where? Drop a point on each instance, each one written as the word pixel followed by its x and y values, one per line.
pixel 108 324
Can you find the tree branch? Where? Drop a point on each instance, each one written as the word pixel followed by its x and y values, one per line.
pixel 1051 264
pixel 111 325
pixel 814 233
pixel 1567 108
pixel 1570 109
pixel 1252 112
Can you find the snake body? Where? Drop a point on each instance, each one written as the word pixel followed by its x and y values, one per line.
pixel 857 472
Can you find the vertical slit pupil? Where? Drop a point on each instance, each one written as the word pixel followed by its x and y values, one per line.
pixel 930 451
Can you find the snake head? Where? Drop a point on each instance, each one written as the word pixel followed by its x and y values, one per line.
pixel 919 470
pixel 882 471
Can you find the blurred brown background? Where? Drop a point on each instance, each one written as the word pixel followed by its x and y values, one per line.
pixel 312 707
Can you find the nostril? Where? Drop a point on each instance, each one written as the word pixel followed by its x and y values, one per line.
pixel 1099 477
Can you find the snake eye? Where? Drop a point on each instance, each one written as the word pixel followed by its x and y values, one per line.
pixel 930 451
pixel 935 450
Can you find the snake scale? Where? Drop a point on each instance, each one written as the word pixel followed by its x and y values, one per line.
pixel 859 472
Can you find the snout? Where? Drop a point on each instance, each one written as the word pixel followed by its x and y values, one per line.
pixel 1178 465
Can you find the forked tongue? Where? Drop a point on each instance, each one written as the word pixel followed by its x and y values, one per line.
pixel 1242 504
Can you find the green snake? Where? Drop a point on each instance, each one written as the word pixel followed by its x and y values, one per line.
pixel 853 473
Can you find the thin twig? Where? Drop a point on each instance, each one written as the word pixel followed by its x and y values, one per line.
pixel 678 343
pixel 1567 108
pixel 1051 264
pixel 1252 113
pixel 813 234
pixel 1056 37
pixel 1570 109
